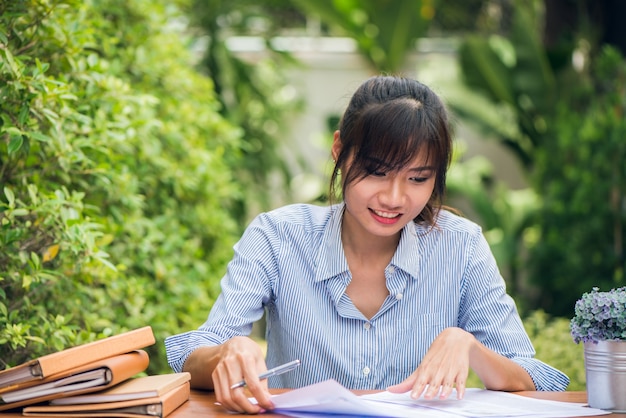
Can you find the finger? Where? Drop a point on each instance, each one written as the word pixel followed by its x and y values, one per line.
pixel 258 388
pixel 418 389
pixel 261 394
pixel 446 390
pixel 242 402
pixel 432 391
pixel 236 399
pixel 222 393
pixel 460 389
pixel 403 386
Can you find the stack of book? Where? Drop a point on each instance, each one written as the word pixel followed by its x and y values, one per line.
pixel 94 379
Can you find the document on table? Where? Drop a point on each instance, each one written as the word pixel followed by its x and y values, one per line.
pixel 330 397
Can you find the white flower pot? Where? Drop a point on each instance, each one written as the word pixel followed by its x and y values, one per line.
pixel 605 368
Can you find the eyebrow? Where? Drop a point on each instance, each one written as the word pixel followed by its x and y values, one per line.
pixel 424 168
pixel 388 166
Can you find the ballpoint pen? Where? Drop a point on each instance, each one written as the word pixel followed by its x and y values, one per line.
pixel 283 368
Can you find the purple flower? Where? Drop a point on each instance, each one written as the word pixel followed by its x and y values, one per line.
pixel 600 316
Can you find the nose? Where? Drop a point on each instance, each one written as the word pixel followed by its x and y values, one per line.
pixel 392 193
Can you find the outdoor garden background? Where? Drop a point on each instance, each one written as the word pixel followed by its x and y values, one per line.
pixel 139 137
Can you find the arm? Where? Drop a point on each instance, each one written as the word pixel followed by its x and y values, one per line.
pixel 490 314
pixel 220 353
pixel 218 367
pixel 498 372
pixel 447 362
pixel 489 337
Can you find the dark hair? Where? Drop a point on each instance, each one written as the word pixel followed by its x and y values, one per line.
pixel 387 124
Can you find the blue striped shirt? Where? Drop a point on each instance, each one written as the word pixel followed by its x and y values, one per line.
pixel 290 264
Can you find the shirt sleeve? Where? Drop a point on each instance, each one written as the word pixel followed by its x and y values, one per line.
pixel 245 290
pixel 490 314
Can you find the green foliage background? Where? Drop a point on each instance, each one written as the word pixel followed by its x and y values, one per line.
pixel 126 175
pixel 581 176
pixel 568 133
pixel 115 170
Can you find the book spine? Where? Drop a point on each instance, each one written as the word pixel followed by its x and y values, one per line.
pixel 177 397
pixel 95 351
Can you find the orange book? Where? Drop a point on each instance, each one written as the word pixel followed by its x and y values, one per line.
pixel 91 377
pixel 139 387
pixel 158 406
pixel 73 357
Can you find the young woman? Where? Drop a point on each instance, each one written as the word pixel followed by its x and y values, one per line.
pixel 384 290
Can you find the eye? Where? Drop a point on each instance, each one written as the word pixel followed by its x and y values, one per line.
pixel 424 177
pixel 376 172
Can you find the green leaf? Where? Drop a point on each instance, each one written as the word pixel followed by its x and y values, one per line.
pixel 27 280
pixel 8 57
pixel 483 69
pixel 40 137
pixel 15 144
pixel 10 197
pixel 20 212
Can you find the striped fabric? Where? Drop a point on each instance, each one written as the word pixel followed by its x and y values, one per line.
pixel 290 264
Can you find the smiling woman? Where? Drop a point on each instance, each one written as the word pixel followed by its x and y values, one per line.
pixel 391 290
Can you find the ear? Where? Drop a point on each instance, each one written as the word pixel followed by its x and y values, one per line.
pixel 336 148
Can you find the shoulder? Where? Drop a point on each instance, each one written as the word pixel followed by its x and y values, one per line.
pixel 447 222
pixel 299 216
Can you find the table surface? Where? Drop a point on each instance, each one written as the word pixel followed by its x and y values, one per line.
pixel 202 404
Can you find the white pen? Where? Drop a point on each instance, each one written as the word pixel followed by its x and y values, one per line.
pixel 283 368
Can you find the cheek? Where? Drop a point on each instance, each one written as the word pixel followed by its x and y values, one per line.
pixel 353 195
pixel 424 195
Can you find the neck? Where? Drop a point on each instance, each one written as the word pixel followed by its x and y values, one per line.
pixel 366 246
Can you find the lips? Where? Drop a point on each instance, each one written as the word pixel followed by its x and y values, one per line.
pixel 385 217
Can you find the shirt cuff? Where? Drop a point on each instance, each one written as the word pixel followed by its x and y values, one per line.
pixel 545 378
pixel 179 347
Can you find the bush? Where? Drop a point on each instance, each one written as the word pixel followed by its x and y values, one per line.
pixel 116 176
pixel 554 345
pixel 581 239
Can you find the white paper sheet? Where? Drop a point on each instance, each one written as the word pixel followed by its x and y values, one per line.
pixel 329 397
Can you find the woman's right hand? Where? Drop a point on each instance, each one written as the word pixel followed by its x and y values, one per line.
pixel 241 359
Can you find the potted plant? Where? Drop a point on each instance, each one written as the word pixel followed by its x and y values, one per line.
pixel 599 322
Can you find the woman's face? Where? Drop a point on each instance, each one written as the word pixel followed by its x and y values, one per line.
pixel 382 203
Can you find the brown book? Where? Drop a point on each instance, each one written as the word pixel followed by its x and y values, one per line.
pixel 137 388
pixel 91 377
pixel 159 406
pixel 73 357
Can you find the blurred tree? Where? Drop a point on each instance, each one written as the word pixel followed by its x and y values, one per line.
pixel 532 76
pixel 254 95
pixel 580 176
pixel 385 30
pixel 601 20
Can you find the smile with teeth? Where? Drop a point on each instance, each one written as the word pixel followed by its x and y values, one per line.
pixel 387 215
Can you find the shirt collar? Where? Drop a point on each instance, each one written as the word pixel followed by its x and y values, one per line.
pixel 408 253
pixel 331 259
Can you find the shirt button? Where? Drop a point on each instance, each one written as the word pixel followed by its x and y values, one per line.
pixel 399 296
pixel 367 325
pixel 391 269
pixel 366 370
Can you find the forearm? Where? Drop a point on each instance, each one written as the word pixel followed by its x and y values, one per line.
pixel 200 364
pixel 227 363
pixel 498 372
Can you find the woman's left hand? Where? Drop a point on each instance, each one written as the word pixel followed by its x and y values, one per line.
pixel 444 367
